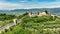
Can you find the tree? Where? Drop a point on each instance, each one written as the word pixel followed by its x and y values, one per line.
pixel 46 11
pixel 25 14
pixel 6 30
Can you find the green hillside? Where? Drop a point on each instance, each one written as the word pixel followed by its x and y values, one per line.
pixel 6 19
pixel 36 25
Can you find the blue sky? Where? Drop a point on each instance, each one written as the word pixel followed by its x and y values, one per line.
pixel 28 4
pixel 29 0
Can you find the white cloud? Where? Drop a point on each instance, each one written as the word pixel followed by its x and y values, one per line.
pixel 7 5
pixel 23 1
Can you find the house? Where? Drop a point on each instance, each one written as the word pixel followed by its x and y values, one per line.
pixel 41 13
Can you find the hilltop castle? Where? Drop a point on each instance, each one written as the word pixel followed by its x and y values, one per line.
pixel 41 13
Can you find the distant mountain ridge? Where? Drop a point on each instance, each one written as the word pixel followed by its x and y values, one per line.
pixel 50 10
pixel 21 11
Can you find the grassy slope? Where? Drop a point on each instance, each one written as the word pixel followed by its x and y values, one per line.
pixel 35 25
pixel 5 19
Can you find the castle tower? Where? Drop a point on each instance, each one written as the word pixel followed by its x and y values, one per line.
pixel 15 21
pixel 42 13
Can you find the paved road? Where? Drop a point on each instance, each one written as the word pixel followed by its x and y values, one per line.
pixel 55 15
pixel 6 27
pixel 10 25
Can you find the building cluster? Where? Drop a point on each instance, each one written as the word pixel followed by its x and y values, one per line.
pixel 41 13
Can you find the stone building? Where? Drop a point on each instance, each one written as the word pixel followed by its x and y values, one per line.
pixel 32 14
pixel 41 13
pixel 15 21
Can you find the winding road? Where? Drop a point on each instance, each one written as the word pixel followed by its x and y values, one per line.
pixel 10 25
